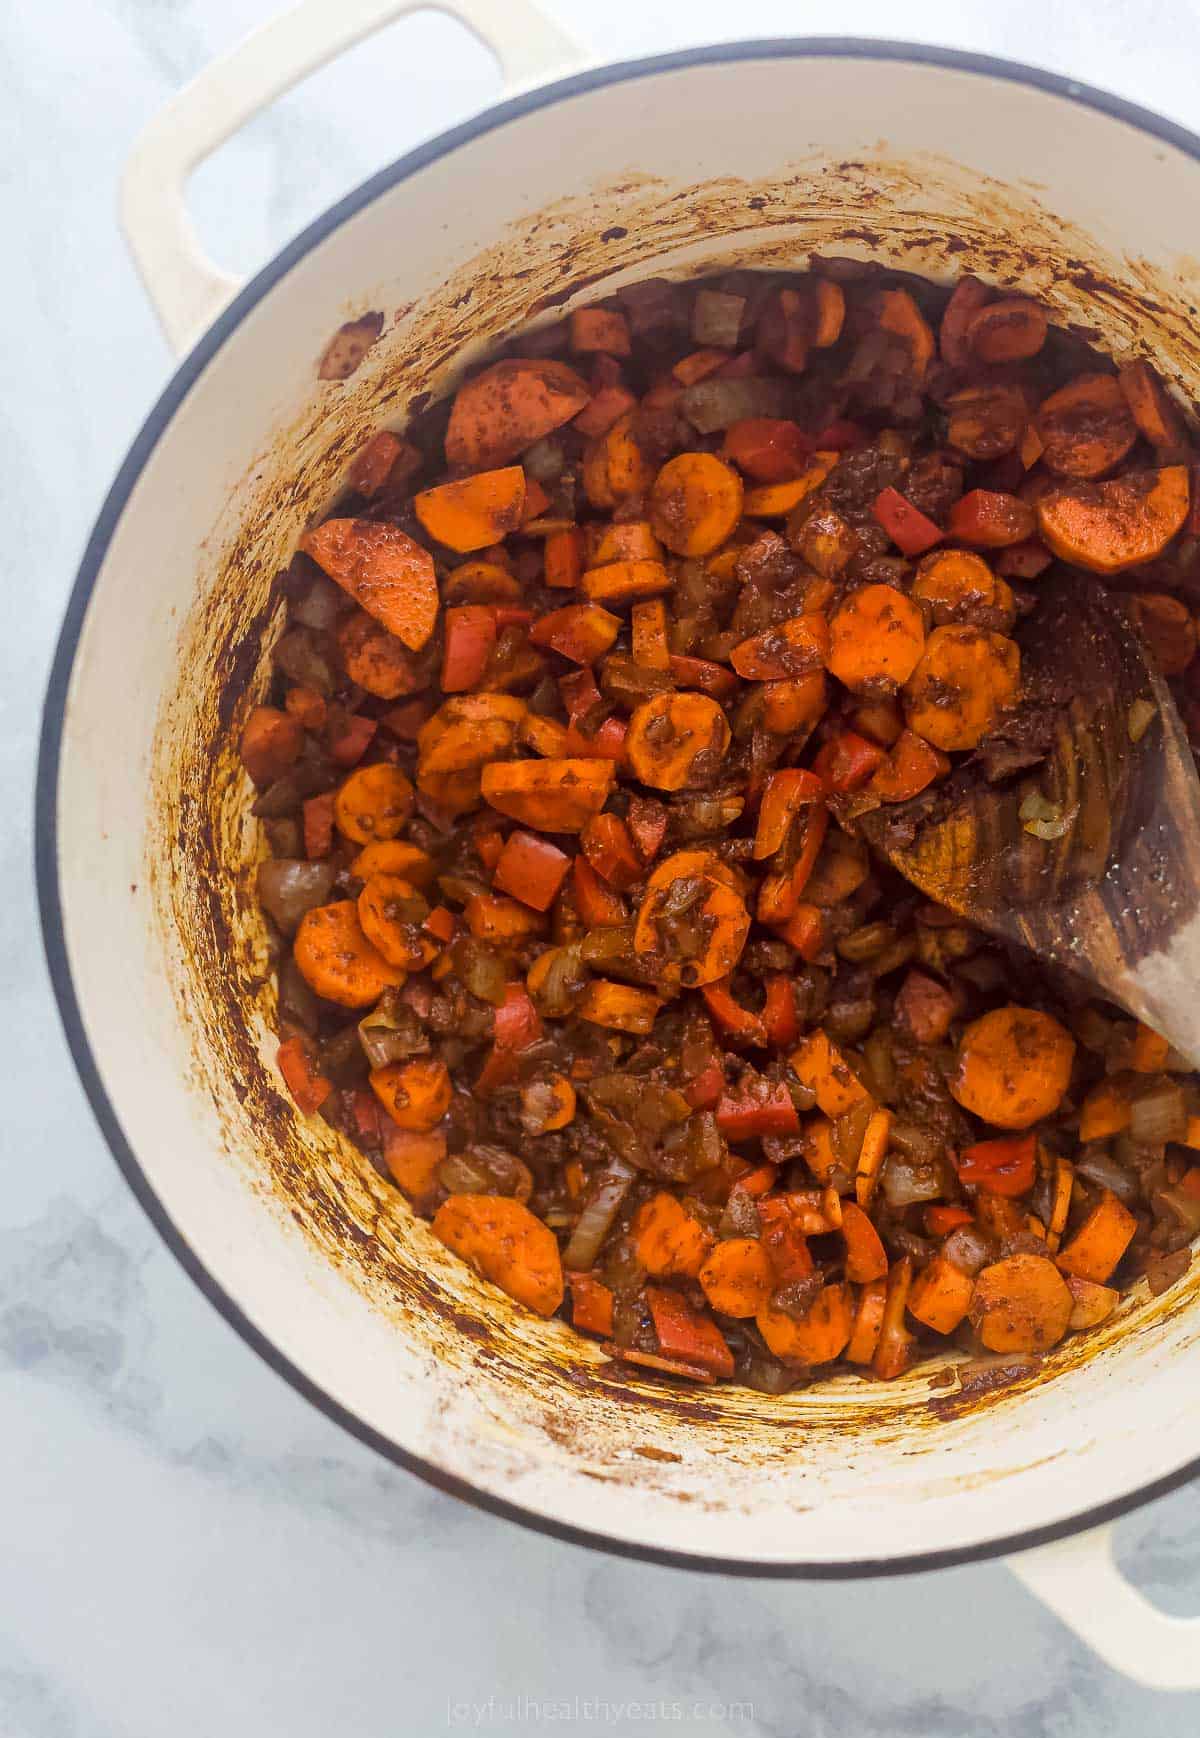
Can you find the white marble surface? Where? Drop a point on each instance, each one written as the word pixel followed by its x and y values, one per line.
pixel 185 1546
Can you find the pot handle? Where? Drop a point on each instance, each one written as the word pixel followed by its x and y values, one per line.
pixel 186 289
pixel 1079 1580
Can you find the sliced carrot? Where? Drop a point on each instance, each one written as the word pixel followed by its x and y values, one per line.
pixel 820 1065
pixel 967 297
pixel 412 1158
pixel 871 1156
pixel 1014 1067
pixel 415 1094
pixel 598 906
pixel 545 736
pixel 1150 406
pixel 898 313
pixel 990 519
pixel 391 912
pixel 336 959
pixel 1086 426
pixel 1091 1304
pixel 829 312
pixel 957 584
pixel 591 1305
pixel 648 628
pixel 695 503
pixel 610 850
pixel 1107 1110
pixel 475 512
pixel 1150 1051
pixel 303 1078
pixel 449 793
pixel 1060 1206
pixel 480 581
pixel 1109 526
pixel 985 422
pixel 532 869
pixel 373 803
pixel 467 730
pixel 908 768
pixel 941 1221
pixel 777 500
pixel 893 1353
pixel 1020 1304
pixel 1009 330
pixel 722 921
pixel 769 449
pixel 941 1295
pixel 866 1258
pixel 876 636
pixel 793 703
pixel 698 366
pixel 505 1243
pixel 510 405
pixel 563 558
pixel 582 632
pixel 868 1322
pixel 604 409
pixel 376 660
pixel 817 1337
pixel 503 922
pixel 670 733
pixel 796 647
pixel 628 540
pixel 965 679
pixel 786 792
pixel 1101 1240
pixel 551 796
pixel 623 581
pixel 619 1007
pixel 668 1239
pixel 737 1277
pixel 270 743
pixel 685 1333
pixel 383 570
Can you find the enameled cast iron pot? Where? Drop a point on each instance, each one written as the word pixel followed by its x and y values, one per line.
pixel 751 153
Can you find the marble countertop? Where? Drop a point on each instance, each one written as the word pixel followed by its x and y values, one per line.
pixel 185 1545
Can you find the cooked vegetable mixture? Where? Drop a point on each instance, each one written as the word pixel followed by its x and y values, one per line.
pixel 584 688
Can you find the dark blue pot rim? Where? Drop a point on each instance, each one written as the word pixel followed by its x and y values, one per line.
pixel 50 750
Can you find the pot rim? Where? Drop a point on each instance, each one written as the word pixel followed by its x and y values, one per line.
pixel 46 858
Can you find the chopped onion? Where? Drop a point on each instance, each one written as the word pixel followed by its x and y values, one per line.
pixel 1095 1165
pixel 1141 715
pixel 299 655
pixel 713 404
pixel 596 1219
pixel 906 1182
pixel 1046 820
pixel 289 886
pixel 717 319
pixel 296 998
pixel 968 1249
pixel 545 460
pixel 320 605
pixel 1182 1207
pixel 391 1032
pixel 1159 1115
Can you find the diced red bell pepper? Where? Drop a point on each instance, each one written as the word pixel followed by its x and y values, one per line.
pixel 1003 1167
pixel 318 826
pixel 647 822
pixel 598 906
pixel 941 1221
pixel 779 893
pixel 757 1107
pixel 582 632
pixel 779 1011
pixel 706 1088
pixel 769 449
pixel 364 1108
pixel 908 528
pixel 308 1087
pixel 607 743
pixel 686 1334
pixel 349 737
pixel 804 930
pixel 735 1021
pixel 488 841
pixel 847 761
pixel 579 692
pixel 783 1239
pixel 518 1023
pixel 591 1304
pixel 531 869
pixel 609 849
pixel 716 680
pixel 536 500
pixel 441 924
pixel 470 635
pixel 563 558
pixel 603 409
pixel 785 793
pixel 991 519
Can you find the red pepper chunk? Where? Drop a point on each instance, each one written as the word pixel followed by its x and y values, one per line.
pixel 686 1334
pixel 735 1021
pixel 941 1221
pixel 784 1240
pixel 531 869
pixel 755 1108
pixel 470 636
pixel 847 761
pixel 591 1304
pixel 705 1089
pixel 518 1023
pixel 779 1012
pixel 306 1084
pixel 598 906
pixel 1004 1167
pixel 784 795
pixel 906 525
pixel 609 849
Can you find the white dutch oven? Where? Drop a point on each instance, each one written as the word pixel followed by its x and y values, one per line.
pixel 751 153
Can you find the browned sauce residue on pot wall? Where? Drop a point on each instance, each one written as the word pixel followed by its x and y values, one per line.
pixel 560 1395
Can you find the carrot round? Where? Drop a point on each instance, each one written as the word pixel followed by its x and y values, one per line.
pixel 793 702
pixel 1085 427
pixel 1101 1240
pixel 967 297
pixel 940 1295
pixel 816 1338
pixel 373 803
pixel 670 733
pixel 622 581
pixel 476 512
pixel 985 422
pixel 876 638
pixel 908 768
pixel 412 1158
pixel 737 1278
pixel 376 660
pixel 336 959
pixel 695 503
pixel 1014 1067
pixel 383 570
pixel 1149 405
pixel 965 679
pixel 1021 1305
pixel 389 923
pixel 1010 330
pixel 416 1094
pixel 721 925
pixel 668 1239
pixel 271 741
pixel 957 585
pixel 868 1322
pixel 480 581
pixel 899 314
pixel 795 647
pixel 468 730
pixel 506 1244
pixel 395 857
pixel 510 405
pixel 551 796
pixel 1109 526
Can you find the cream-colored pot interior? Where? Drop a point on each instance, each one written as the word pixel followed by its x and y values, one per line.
pixel 685 169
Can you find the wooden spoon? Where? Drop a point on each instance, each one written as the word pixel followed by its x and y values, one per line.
pixel 1116 898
